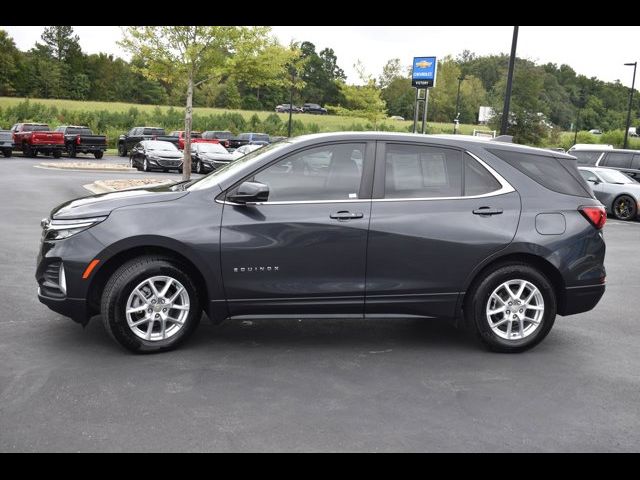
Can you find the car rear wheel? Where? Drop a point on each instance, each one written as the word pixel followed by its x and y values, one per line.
pixel 57 153
pixel 122 150
pixel 6 152
pixel 625 208
pixel 98 155
pixel 27 151
pixel 512 308
pixel 150 304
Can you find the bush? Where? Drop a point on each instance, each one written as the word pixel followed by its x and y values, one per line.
pixel 613 137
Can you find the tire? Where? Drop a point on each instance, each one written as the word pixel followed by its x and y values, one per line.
pixel 119 294
pixel 122 150
pixel 27 151
pixel 99 155
pixel 199 167
pixel 480 299
pixel 57 153
pixel 72 151
pixel 624 208
pixel 145 165
pixel 6 152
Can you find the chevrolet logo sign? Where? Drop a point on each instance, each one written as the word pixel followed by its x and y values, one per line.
pixel 424 64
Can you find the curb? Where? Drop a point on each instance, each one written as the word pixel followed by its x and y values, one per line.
pixel 50 166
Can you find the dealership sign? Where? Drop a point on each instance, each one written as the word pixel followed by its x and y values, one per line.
pixel 423 73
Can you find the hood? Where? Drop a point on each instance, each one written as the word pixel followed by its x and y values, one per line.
pixel 165 154
pixel 221 157
pixel 103 204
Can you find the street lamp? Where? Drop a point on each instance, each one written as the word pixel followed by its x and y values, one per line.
pixel 456 120
pixel 633 84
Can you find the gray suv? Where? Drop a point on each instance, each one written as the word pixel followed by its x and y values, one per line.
pixel 495 236
pixel 627 161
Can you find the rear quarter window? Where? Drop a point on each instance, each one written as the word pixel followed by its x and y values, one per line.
pixel 555 174
pixel 617 160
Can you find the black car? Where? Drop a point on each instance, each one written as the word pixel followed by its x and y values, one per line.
pixel 314 108
pixel 156 155
pixel 206 157
pixel 81 139
pixel 499 237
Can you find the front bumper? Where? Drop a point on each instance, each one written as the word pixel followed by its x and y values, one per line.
pixel 74 308
pixel 580 299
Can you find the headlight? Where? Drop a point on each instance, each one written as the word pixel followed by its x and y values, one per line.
pixel 59 229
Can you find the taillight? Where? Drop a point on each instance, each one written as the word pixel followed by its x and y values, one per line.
pixel 78 140
pixel 597 216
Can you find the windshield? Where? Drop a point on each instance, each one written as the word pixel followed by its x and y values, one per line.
pixel 211 148
pixel 162 146
pixel 153 131
pixel 35 128
pixel 613 176
pixel 228 170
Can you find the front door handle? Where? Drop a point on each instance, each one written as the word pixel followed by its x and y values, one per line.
pixel 487 211
pixel 344 215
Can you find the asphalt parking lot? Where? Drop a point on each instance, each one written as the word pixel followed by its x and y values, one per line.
pixel 352 385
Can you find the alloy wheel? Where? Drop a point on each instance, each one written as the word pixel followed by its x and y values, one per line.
pixel 515 309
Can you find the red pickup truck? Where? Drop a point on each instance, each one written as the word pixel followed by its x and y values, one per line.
pixel 31 138
pixel 196 137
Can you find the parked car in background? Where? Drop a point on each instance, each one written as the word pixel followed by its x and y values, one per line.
pixel 500 237
pixel 156 155
pixel 243 150
pixel 595 131
pixel 6 142
pixel 619 193
pixel 196 137
pixel 80 139
pixel 285 107
pixel 396 117
pixel 223 136
pixel 206 157
pixel 138 134
pixel 627 161
pixel 34 138
pixel 314 108
pixel 254 138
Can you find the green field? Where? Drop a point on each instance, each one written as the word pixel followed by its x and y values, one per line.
pixel 326 123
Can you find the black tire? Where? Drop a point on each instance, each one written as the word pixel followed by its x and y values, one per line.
pixel 27 151
pixel 477 299
pixel 57 153
pixel 6 152
pixel 199 167
pixel 99 155
pixel 624 208
pixel 72 151
pixel 145 165
pixel 116 294
pixel 122 150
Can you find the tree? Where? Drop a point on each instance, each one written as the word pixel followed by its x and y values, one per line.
pixel 193 55
pixel 9 58
pixel 61 43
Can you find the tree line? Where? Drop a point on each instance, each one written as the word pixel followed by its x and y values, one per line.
pixel 546 98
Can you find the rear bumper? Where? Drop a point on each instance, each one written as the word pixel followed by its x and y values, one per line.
pixel 74 308
pixel 47 146
pixel 91 148
pixel 580 299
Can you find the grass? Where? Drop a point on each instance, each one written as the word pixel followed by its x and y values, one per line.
pixel 326 123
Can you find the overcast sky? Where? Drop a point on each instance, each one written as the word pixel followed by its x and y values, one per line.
pixel 591 51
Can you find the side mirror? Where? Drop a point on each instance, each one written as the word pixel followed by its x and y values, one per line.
pixel 250 192
pixel 595 181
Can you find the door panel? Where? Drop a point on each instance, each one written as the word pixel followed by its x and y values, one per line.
pixel 421 251
pixel 304 250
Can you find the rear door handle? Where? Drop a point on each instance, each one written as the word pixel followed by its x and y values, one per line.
pixel 344 215
pixel 487 211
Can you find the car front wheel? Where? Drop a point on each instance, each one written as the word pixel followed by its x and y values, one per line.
pixel 625 208
pixel 512 308
pixel 150 304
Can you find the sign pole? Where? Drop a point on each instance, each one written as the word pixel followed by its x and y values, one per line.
pixel 415 111
pixel 424 113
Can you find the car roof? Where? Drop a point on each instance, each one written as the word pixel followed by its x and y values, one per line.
pixel 447 140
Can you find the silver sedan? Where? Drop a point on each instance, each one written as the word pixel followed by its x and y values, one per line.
pixel 619 193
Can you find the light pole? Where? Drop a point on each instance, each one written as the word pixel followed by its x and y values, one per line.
pixel 293 77
pixel 507 95
pixel 456 121
pixel 633 84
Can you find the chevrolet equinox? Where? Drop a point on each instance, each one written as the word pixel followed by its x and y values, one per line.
pixel 498 237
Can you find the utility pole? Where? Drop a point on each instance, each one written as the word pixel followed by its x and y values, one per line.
pixel 507 96
pixel 455 124
pixel 633 84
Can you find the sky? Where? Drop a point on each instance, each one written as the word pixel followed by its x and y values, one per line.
pixel 592 51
